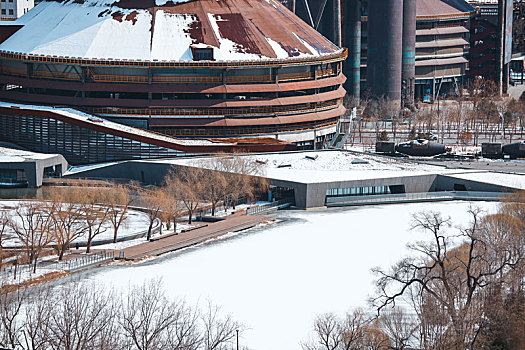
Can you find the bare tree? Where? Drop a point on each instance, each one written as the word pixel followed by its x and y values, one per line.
pixel 219 332
pixel 399 327
pixel 153 202
pixel 5 232
pixel 327 332
pixel 188 183
pixel 147 315
pixel 173 207
pixel 79 317
pixel 31 224
pixel 37 314
pixel 118 204
pixel 452 270
pixel 67 218
pixel 10 309
pixel 95 214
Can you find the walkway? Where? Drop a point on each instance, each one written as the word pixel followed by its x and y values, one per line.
pixel 168 243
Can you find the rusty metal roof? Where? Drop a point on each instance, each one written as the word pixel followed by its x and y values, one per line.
pixel 166 31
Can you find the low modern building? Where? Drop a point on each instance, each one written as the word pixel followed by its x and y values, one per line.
pixel 338 178
pixel 13 9
pixel 189 69
pixel 20 169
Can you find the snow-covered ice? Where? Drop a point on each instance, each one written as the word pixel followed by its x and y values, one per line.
pixel 275 279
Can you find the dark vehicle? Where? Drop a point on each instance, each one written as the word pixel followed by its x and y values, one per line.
pixel 421 148
pixel 491 150
pixel 515 150
pixel 385 147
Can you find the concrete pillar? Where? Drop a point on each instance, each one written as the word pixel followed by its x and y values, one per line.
pixel 408 74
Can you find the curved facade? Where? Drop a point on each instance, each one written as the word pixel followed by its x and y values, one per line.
pixel 189 69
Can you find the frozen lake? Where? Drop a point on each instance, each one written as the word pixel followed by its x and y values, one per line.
pixel 275 279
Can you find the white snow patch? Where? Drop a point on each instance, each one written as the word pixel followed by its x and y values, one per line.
pixel 278 49
pixel 171 39
pixel 228 49
pixel 281 270
pixel 501 179
pixel 310 48
pixel 163 2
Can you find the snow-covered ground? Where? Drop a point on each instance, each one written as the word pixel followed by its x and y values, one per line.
pixel 135 222
pixel 275 279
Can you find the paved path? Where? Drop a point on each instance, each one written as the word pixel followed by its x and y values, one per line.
pixel 170 243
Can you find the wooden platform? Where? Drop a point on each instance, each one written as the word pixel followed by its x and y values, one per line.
pixel 172 242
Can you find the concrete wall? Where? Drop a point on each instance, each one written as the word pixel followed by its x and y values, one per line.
pixel 34 168
pixel 446 183
pixel 144 172
pixel 316 193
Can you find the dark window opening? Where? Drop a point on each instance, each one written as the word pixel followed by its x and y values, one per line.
pixel 460 187
pixel 200 54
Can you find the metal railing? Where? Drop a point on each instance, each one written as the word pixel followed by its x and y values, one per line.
pixel 414 197
pixel 22 272
pixel 85 262
pixel 329 58
pixel 280 204
pixel 222 112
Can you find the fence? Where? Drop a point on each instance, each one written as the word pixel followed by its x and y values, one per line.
pixel 20 273
pixel 280 204
pixel 414 197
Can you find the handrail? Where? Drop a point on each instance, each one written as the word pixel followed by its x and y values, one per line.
pixel 280 204
pixel 328 58
pixel 220 112
pixel 414 197
pixel 162 79
pixel 252 130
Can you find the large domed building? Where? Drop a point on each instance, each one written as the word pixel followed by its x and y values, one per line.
pixel 190 69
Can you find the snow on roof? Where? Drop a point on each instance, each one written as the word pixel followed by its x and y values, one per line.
pixel 501 179
pixel 11 155
pixel 165 30
pixel 329 166
pixel 78 115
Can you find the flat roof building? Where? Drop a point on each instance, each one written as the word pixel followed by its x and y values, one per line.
pixel 13 9
pixel 20 169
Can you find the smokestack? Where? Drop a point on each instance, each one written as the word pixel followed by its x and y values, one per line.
pixel 385 28
pixel 408 74
pixel 337 23
pixel 352 40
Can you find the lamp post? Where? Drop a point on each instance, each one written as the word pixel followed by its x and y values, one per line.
pixel 237 338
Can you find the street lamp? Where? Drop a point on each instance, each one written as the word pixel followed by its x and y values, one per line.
pixel 502 126
pixel 237 338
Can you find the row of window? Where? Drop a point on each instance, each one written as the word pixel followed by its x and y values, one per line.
pixel 358 191
pixel 11 12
